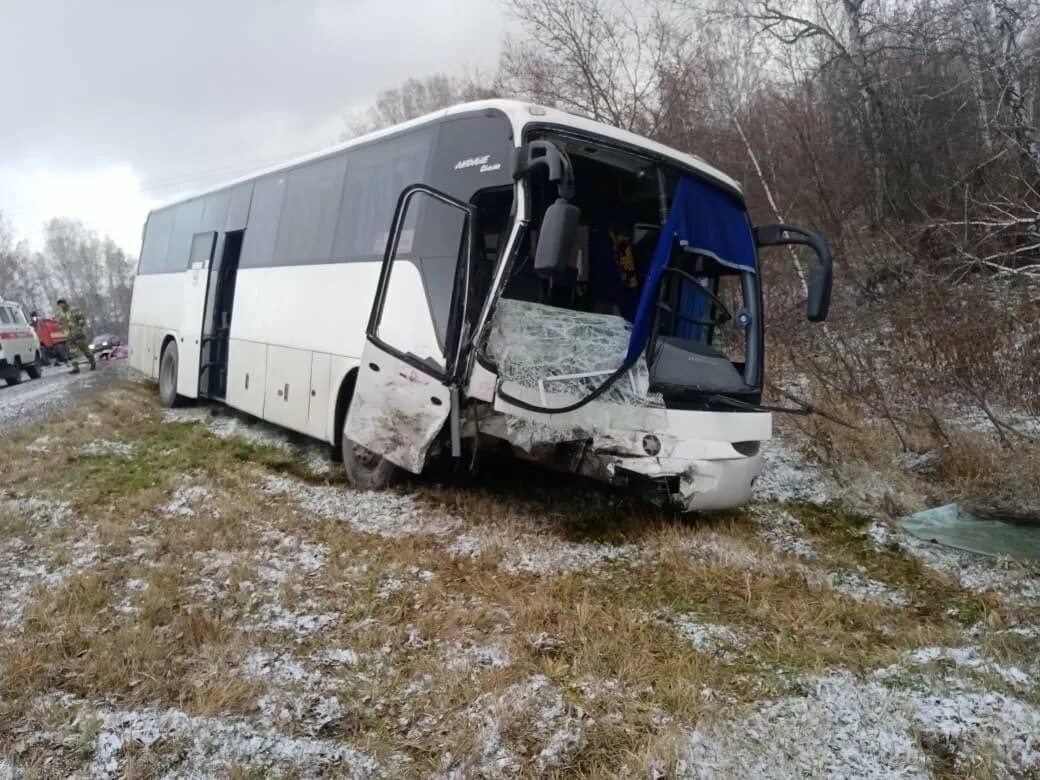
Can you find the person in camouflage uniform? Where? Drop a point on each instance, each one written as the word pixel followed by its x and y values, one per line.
pixel 74 324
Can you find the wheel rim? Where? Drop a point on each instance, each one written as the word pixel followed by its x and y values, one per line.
pixel 366 457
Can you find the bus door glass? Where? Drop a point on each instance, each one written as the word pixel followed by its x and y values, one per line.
pixel 407 384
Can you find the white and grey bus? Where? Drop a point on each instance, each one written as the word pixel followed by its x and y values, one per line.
pixel 496 275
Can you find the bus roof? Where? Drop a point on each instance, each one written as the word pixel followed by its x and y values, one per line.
pixel 520 114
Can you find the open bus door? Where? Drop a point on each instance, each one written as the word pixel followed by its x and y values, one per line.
pixel 408 382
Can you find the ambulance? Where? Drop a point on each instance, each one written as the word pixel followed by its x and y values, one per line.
pixel 19 345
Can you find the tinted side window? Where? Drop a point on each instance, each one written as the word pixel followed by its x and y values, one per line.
pixel 376 174
pixel 5 316
pixel 156 242
pixel 262 229
pixel 215 210
pixel 472 153
pixel 185 225
pixel 19 318
pixel 308 221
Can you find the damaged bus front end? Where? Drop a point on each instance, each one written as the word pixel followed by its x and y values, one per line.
pixel 627 341
pixel 600 308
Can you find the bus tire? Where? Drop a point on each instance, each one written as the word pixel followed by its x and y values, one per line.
pixel 367 470
pixel 168 376
pixel 33 369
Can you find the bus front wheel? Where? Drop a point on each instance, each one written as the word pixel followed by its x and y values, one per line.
pixel 366 469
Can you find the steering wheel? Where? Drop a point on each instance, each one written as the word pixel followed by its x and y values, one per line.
pixel 723 314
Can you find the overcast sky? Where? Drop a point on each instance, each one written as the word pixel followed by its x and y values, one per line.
pixel 110 106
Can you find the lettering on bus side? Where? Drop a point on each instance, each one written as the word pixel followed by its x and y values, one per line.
pixel 484 161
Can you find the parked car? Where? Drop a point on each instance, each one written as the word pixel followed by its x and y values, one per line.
pixel 103 344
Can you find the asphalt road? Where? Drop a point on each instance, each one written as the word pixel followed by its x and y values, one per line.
pixel 35 401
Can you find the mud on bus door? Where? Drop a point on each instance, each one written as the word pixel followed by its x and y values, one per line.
pixel 408 381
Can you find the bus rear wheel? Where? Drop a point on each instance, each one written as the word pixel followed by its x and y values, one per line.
pixel 33 369
pixel 168 376
pixel 366 469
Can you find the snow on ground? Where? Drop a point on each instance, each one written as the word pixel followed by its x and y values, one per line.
pixel 227 425
pixel 186 501
pixel 789 476
pixel 531 553
pixel 977 573
pixel 384 513
pixel 708 638
pixel 101 447
pixel 783 532
pixel 857 586
pixel 969 657
pixel 476 658
pixel 534 708
pixel 842 727
pixel 212 746
pixel 30 561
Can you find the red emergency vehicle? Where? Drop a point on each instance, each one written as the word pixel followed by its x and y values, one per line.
pixel 52 339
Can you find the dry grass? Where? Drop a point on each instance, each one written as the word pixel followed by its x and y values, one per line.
pixel 173 609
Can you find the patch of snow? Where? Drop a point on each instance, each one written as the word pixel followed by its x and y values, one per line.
pixel 391 584
pixel 382 513
pixel 846 728
pixel 530 553
pixel 712 547
pixel 789 476
pixel 783 532
pixel 708 638
pixel 211 746
pixel 275 617
pixel 228 426
pixel 841 729
pixel 101 447
pixel 546 644
pixel 971 658
pixel 1018 583
pixel 538 707
pixel 1004 725
pixel 26 566
pixel 37 511
pixel 185 501
pixel 337 657
pixel 289 557
pixel 477 658
pixel 318 462
pixel 857 586
pixel 43 444
pixel 918 462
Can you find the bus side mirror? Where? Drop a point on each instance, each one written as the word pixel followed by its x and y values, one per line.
pixel 821 274
pixel 556 238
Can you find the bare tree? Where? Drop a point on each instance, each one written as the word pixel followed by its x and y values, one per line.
pixel 599 58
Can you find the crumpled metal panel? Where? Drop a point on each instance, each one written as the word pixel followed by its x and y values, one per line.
pixel 551 357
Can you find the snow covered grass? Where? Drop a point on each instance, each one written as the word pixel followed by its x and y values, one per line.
pixel 214 606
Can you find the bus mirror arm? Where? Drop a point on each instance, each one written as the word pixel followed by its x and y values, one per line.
pixel 536 154
pixel 821 273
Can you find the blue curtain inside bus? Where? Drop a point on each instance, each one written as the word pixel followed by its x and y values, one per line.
pixel 707 221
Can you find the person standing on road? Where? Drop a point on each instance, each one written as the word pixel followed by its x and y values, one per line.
pixel 74 324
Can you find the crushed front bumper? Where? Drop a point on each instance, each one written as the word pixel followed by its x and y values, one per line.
pixel 690 485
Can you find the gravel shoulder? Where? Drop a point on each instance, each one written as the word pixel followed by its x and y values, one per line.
pixel 36 401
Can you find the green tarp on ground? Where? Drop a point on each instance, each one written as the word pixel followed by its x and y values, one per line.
pixel 953 526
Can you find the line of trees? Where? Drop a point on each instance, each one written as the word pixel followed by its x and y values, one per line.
pixel 91 271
